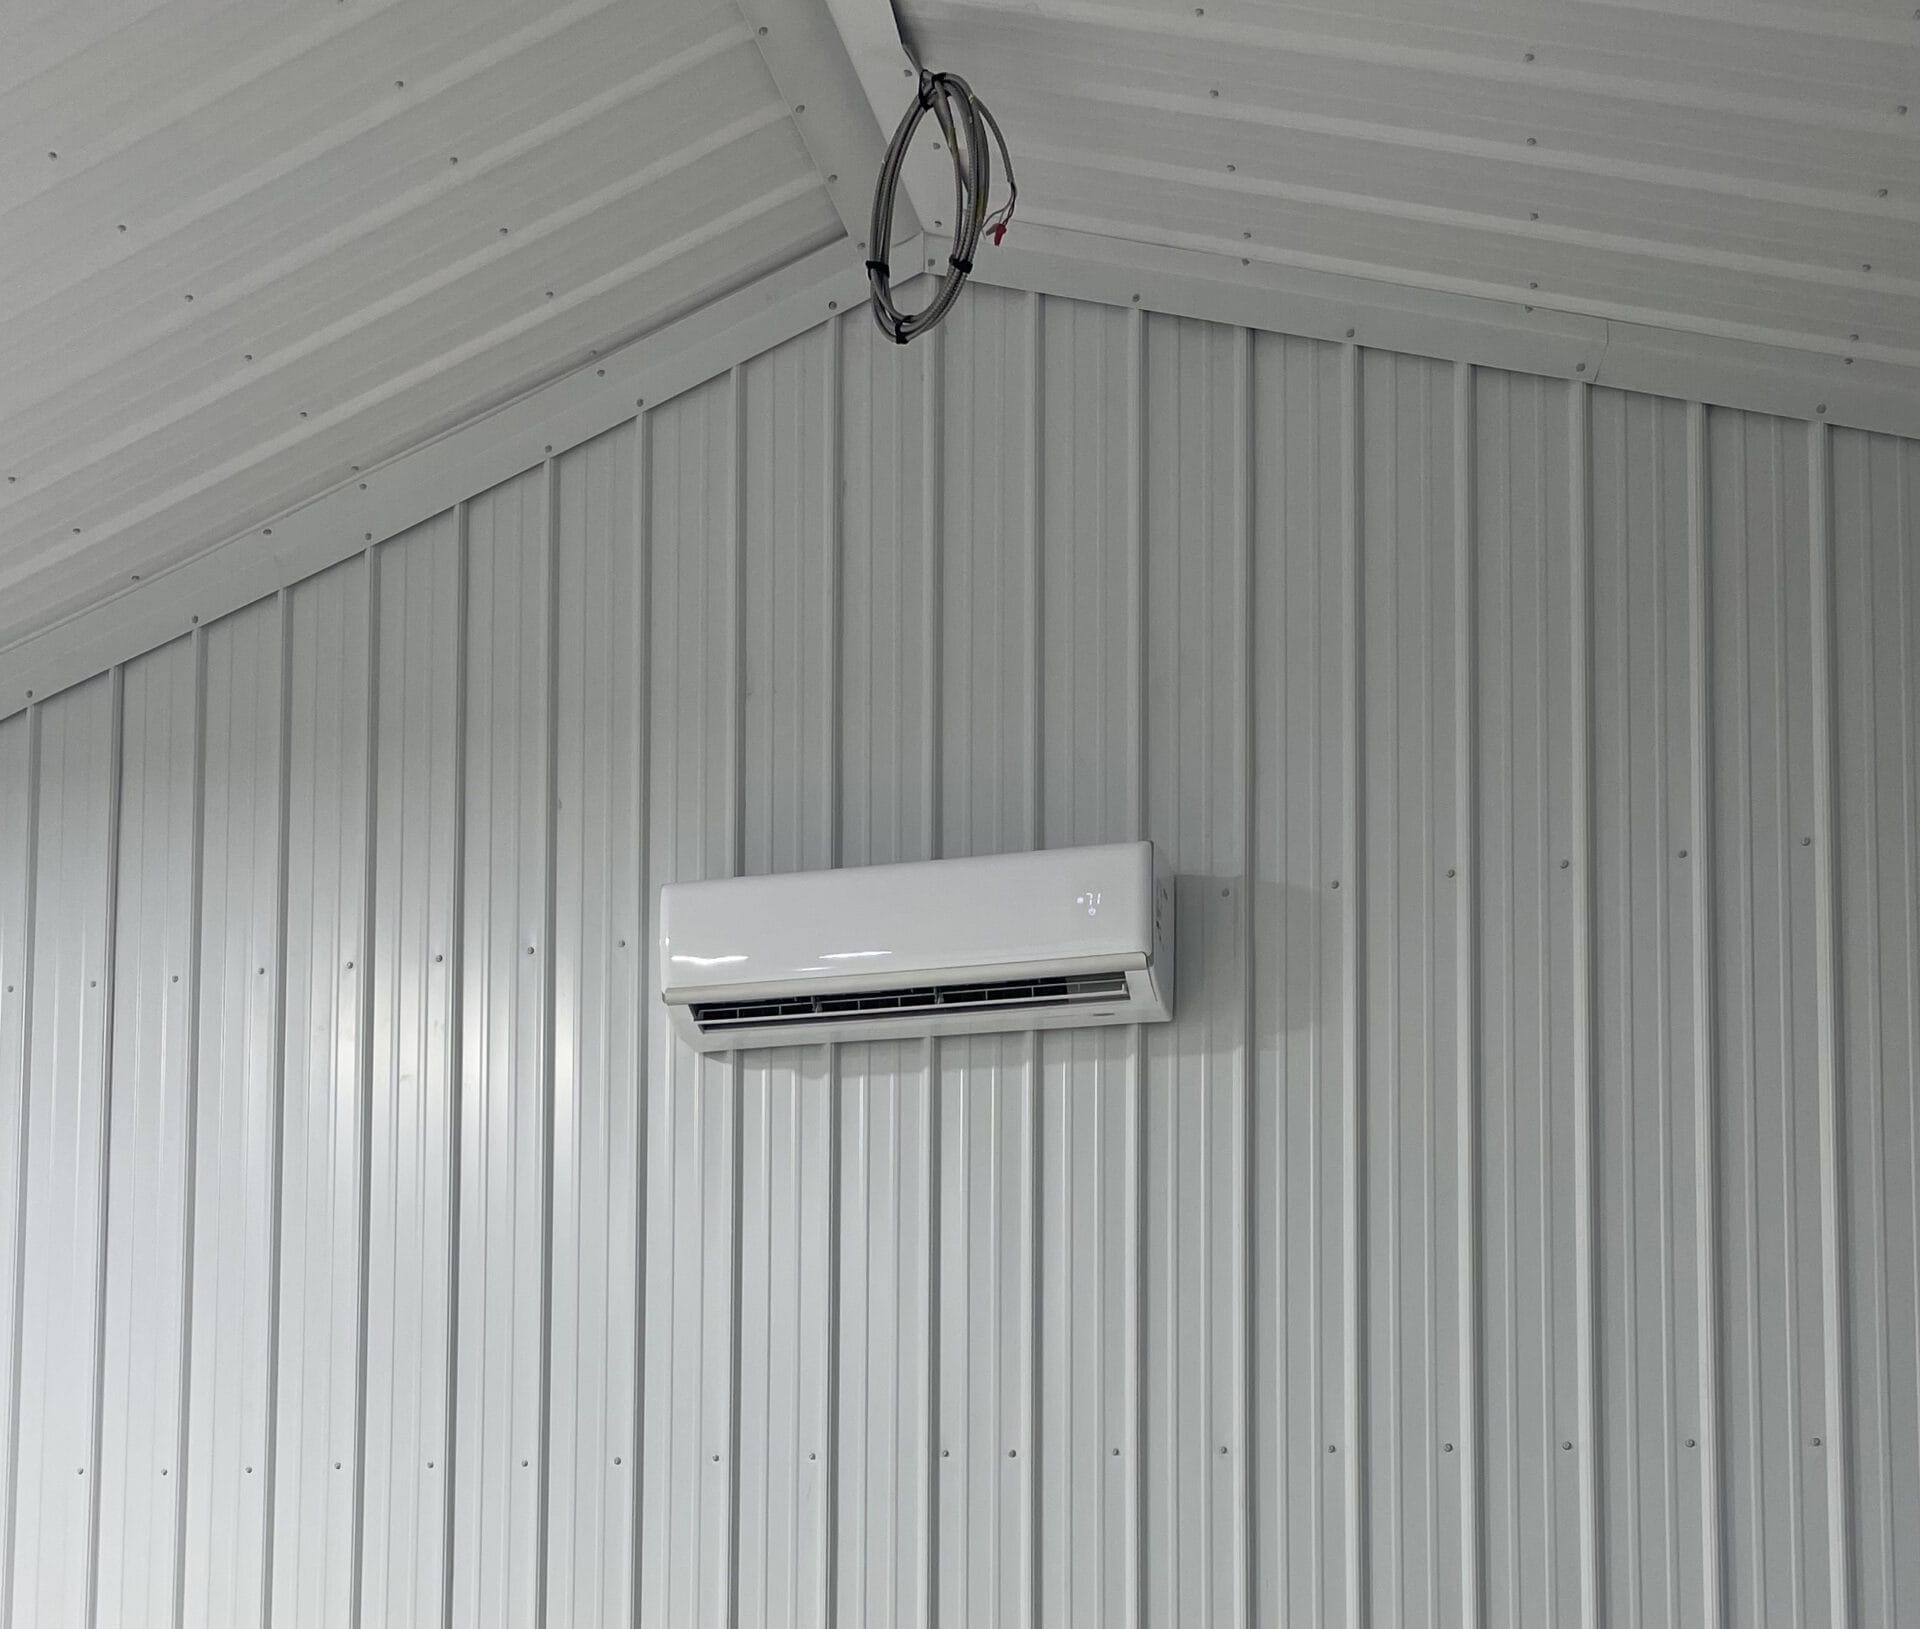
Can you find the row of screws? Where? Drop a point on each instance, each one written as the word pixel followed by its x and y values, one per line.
pixel 947 1453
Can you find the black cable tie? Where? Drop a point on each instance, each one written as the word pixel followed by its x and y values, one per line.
pixel 964 267
pixel 927 83
pixel 881 267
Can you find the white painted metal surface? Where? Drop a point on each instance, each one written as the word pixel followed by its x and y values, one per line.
pixel 248 252
pixel 1516 1224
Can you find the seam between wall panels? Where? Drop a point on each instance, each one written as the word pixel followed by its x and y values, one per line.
pixel 1838 1423
pixel 109 987
pixel 455 936
pixel 549 1029
pixel 1706 1207
pixel 1036 838
pixel 1585 1154
pixel 16 1323
pixel 1137 1045
pixel 827 1602
pixel 1353 1131
pixel 183 1412
pixel 736 866
pixel 1246 1524
pixel 1466 839
pixel 363 1068
pixel 270 1456
pixel 642 938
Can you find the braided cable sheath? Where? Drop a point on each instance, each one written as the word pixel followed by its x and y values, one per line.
pixel 964 123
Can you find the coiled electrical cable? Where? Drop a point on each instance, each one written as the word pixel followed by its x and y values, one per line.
pixel 965 122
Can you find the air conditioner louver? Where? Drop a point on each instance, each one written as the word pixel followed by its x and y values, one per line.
pixel 1001 995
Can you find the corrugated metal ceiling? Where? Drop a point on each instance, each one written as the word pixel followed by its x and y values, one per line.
pixel 246 250
pixel 1749 172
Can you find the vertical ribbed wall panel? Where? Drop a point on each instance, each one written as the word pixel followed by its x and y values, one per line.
pixel 1645 855
pixel 63 1241
pixel 887 791
pixel 322 1131
pixel 787 1134
pixel 1772 1392
pixel 1196 1122
pixel 19 778
pixel 1519 1222
pixel 410 1095
pixel 1876 572
pixel 688 1543
pixel 506 903
pixel 985 1098
pixel 1300 804
pixel 150 1174
pixel 599 1061
pixel 238 1102
pixel 1410 890
pixel 1523 565
pixel 1091 719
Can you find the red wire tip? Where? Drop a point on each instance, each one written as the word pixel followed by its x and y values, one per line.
pixel 999 232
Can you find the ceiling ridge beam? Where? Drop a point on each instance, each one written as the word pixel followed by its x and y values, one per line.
pixel 814 72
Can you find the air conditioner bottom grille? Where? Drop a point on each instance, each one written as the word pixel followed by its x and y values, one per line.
pixel 1002 995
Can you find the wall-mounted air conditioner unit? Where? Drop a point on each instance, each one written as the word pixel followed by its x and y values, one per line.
pixel 1061 938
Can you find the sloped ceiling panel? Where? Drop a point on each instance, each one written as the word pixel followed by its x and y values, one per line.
pixel 246 251
pixel 1748 173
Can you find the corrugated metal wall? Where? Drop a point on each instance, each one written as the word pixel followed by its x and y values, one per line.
pixel 1519 1224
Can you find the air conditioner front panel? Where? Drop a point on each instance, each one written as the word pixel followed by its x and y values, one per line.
pixel 874 926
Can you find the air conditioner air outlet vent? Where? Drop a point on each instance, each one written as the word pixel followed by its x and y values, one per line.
pixel 997 995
